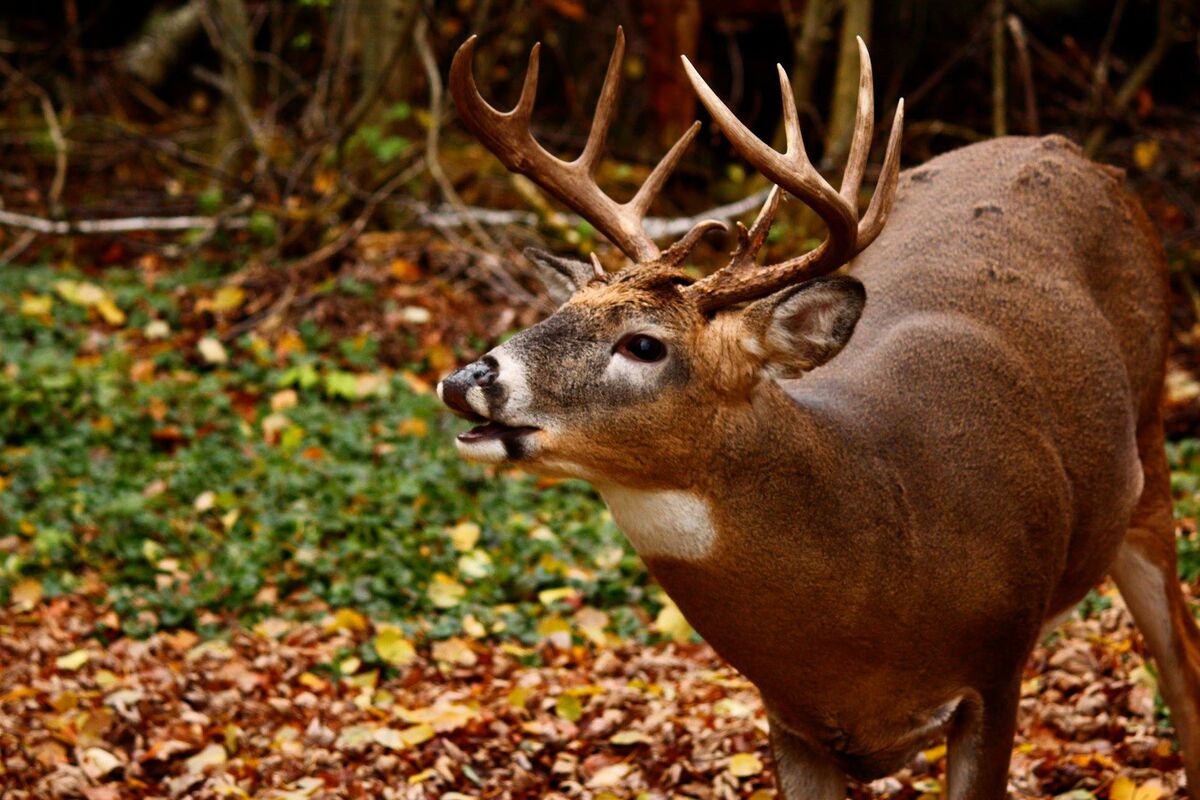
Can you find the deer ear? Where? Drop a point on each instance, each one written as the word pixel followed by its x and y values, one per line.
pixel 804 326
pixel 562 277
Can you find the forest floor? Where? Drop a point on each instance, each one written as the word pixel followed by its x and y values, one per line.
pixel 290 709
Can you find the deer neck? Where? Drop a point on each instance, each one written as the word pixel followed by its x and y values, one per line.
pixel 726 494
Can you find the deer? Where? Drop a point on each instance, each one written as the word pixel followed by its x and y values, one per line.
pixel 874 475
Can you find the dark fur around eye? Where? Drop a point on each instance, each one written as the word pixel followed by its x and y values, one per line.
pixel 641 347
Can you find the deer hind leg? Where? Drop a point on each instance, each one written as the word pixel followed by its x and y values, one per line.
pixel 801 773
pixel 1145 572
pixel 980 742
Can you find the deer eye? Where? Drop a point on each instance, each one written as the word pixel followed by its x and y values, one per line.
pixel 641 347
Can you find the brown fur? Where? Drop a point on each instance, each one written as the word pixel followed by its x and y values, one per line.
pixel 896 526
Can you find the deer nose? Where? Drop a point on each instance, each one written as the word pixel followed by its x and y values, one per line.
pixel 455 389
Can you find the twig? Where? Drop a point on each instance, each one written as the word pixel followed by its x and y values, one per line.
pixel 1139 75
pixel 434 164
pixel 54 196
pixel 355 228
pixel 1024 66
pixel 999 71
pixel 52 227
pixel 1100 71
pixel 656 227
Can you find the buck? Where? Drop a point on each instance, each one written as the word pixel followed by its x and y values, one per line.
pixel 870 492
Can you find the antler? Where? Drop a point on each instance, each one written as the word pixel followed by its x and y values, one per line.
pixel 791 171
pixel 507 135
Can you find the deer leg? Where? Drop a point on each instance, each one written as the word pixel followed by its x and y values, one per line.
pixel 980 743
pixel 1145 572
pixel 801 773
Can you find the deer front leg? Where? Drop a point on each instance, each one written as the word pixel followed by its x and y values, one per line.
pixel 980 743
pixel 801 773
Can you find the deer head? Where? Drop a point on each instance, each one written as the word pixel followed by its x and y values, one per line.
pixel 637 366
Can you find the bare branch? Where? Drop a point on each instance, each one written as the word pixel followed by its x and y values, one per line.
pixel 102 227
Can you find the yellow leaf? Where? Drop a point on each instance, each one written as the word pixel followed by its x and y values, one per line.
pixel 36 305
pixel 228 298
pixel 79 293
pixel 349 666
pixel 934 754
pixel 109 310
pixel 390 738
pixel 473 627
pixel 417 734
pixel 475 564
pixel 557 630
pixel 444 591
pixel 441 717
pixel 671 623
pixel 1122 789
pixel 311 681
pixel 346 619
pixel 569 707
pixel 518 697
pixel 211 756
pixel 548 596
pixel 1150 790
pixel 1145 154
pixel 26 594
pixel 421 776
pixel 393 647
pixel 464 536
pixel 454 651
pixel 744 765
pixel 73 660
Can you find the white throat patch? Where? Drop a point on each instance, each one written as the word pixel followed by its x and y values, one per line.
pixel 664 523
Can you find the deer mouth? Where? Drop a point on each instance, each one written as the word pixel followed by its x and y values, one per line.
pixel 495 431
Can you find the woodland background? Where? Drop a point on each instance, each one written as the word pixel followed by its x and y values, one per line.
pixel 239 241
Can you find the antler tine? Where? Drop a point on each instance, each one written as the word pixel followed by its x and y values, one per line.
pixel 864 123
pixel 751 241
pixel 678 252
pixel 605 105
pixel 885 189
pixel 508 136
pixel 792 171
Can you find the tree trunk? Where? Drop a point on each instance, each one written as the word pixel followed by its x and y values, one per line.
pixel 385 26
pixel 856 21
pixel 232 29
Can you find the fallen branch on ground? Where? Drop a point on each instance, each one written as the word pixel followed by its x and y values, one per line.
pixel 53 227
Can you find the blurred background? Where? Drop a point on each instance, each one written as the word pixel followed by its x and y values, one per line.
pixel 242 238
pixel 239 242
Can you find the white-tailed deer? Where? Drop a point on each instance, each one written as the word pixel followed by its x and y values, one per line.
pixel 871 492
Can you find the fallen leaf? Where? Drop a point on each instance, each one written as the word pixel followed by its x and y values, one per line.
pixel 464 536
pixel 393 647
pixel 744 765
pixel 72 661
pixel 454 651
pixel 670 622
pixel 99 763
pixel 569 707
pixel 212 351
pixel 26 594
pixel 211 756
pixel 444 591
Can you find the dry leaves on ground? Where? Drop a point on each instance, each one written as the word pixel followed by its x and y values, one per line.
pixel 290 710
